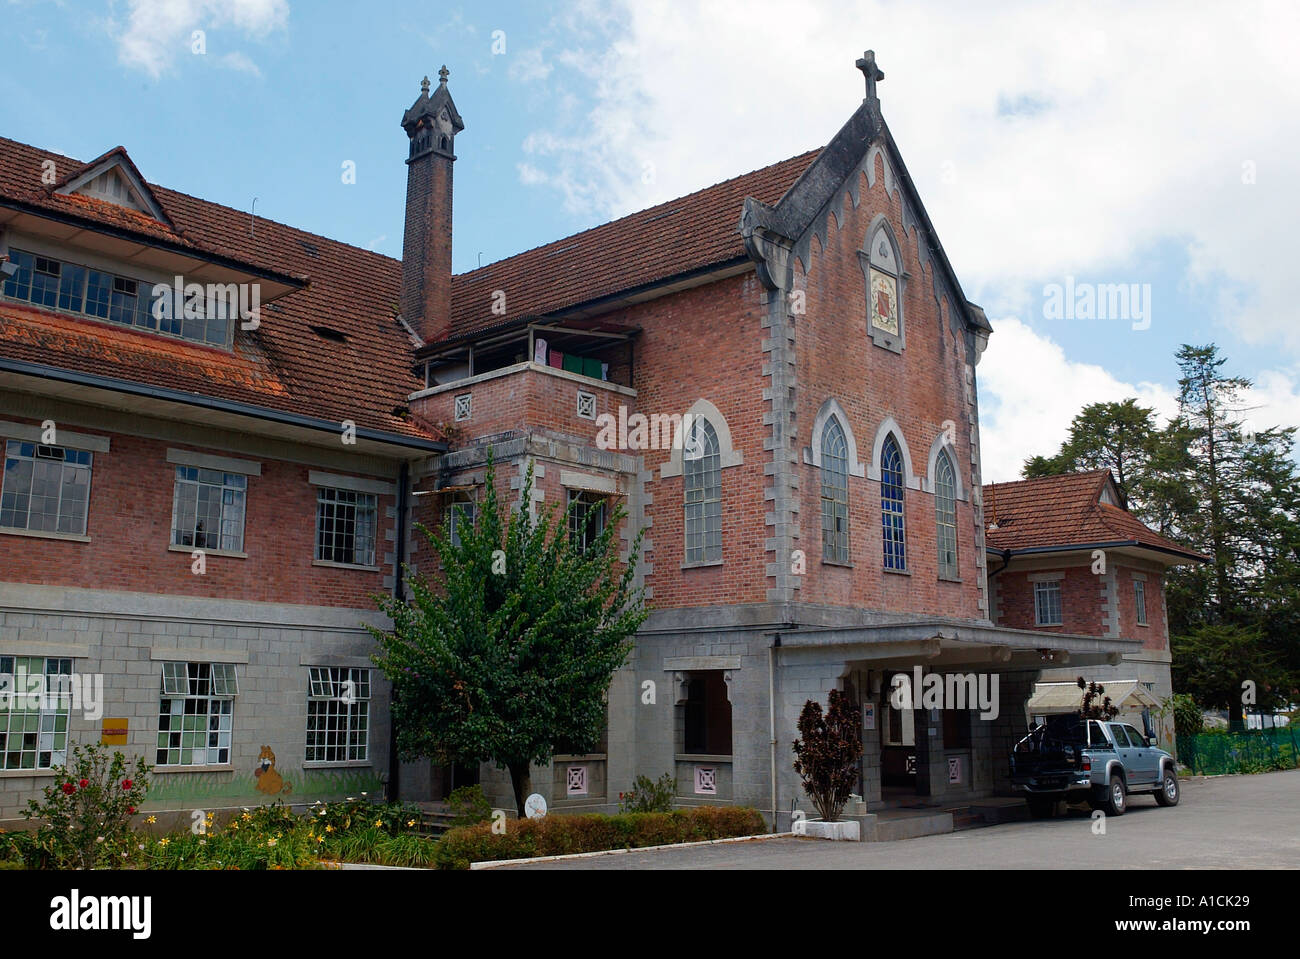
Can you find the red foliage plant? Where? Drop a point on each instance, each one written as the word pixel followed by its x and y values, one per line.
pixel 827 754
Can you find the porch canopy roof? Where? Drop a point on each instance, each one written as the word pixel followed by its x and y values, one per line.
pixel 1051 699
pixel 942 643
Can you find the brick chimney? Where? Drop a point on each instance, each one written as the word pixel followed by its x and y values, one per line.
pixel 431 124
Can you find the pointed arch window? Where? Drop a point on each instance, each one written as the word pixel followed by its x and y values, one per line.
pixel 945 514
pixel 891 505
pixel 702 493
pixel 835 493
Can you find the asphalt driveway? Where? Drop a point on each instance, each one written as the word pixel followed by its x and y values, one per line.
pixel 1234 822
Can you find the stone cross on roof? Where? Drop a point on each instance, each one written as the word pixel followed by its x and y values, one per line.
pixel 867 64
pixel 424 86
pixel 443 74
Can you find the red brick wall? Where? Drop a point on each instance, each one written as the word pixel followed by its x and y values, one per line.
pixel 1081 610
pixel 920 389
pixel 129 525
pixel 705 343
pixel 1155 634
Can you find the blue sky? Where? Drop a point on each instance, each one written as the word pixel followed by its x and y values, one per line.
pixel 1156 146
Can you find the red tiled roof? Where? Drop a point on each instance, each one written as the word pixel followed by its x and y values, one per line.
pixel 682 235
pixel 283 365
pixel 1064 511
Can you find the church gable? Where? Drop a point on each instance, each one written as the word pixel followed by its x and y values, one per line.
pixel 781 236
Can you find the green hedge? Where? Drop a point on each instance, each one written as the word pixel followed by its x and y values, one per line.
pixel 561 835
pixel 1221 751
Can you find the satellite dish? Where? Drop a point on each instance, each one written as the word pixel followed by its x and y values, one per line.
pixel 535 806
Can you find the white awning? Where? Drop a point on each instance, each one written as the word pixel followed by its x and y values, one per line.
pixel 1049 699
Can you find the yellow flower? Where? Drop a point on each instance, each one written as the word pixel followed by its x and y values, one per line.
pixel 163 841
pixel 246 817
pixel 379 822
pixel 151 820
pixel 270 842
pixel 329 828
pixel 410 822
pixel 320 838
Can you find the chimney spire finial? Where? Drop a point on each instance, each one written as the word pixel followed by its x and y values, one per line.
pixel 443 74
pixel 867 64
pixel 424 86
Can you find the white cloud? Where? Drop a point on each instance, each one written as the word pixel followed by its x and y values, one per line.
pixel 239 62
pixel 1072 137
pixel 158 31
pixel 1029 392
pixel 529 67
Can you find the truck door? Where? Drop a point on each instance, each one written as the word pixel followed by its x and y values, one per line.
pixel 1145 761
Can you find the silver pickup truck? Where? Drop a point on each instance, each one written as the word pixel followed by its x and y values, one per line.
pixel 1100 762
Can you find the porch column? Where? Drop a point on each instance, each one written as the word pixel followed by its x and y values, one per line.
pixel 1011 725
pixel 931 763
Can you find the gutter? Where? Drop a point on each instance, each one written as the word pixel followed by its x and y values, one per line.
pixel 1080 547
pixel 213 403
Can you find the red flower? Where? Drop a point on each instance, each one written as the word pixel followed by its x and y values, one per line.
pixel 84 783
pixel 130 810
pixel 127 784
pixel 69 789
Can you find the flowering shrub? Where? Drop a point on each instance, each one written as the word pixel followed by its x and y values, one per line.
pixel 85 816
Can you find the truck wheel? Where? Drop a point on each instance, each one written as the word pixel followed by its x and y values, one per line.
pixel 1041 807
pixel 1116 800
pixel 1167 794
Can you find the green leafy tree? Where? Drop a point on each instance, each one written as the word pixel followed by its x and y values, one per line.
pixel 1216 660
pixel 511 652
pixel 1147 461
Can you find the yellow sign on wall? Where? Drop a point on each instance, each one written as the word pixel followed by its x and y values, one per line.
pixel 114 733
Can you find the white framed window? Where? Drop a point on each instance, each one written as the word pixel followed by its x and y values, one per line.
pixel 46 488
pixel 587 516
pixel 72 288
pixel 586 405
pixel 195 713
pixel 702 493
pixel 338 714
pixel 35 701
pixel 463 406
pixel 1047 603
pixel 462 513
pixel 346 524
pixel 208 509
pixel 1140 601
pixel 945 515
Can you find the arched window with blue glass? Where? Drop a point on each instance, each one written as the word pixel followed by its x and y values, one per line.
pixel 891 505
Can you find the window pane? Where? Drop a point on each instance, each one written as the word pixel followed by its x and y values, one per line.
pixel 891 505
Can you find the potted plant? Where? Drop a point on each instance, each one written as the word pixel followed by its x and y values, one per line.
pixel 826 757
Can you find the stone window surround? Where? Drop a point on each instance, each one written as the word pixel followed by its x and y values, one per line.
pixel 728 455
pixel 882 338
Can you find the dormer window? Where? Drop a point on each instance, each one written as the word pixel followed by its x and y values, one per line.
pixel 71 288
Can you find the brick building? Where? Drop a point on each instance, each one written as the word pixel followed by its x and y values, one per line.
pixel 198 504
pixel 1070 558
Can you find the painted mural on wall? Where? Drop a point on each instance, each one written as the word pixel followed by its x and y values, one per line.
pixel 269 780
